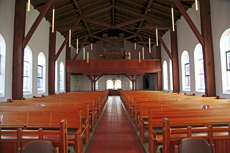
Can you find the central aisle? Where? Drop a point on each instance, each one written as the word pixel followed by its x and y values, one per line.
pixel 114 133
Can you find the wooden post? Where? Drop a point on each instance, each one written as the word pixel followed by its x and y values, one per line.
pixel 94 85
pixel 159 80
pixel 209 72
pixel 68 74
pixel 133 84
pixel 91 82
pixel 175 65
pixel 158 48
pixel 51 72
pixel 18 50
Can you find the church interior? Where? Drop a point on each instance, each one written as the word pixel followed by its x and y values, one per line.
pixel 95 76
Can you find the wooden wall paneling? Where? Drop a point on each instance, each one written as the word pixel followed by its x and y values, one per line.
pixel 18 49
pixel 175 64
pixel 209 72
pixel 51 72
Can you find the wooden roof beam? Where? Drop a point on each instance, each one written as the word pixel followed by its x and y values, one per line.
pixel 61 14
pixel 80 12
pixel 97 22
pixel 99 9
pixel 130 22
pixel 129 37
pixel 102 39
pixel 91 4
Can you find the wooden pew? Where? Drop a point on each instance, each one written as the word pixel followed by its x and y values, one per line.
pixel 11 140
pixel 46 117
pixel 183 118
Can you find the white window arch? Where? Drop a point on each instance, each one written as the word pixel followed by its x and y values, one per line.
pixel 41 72
pixel 27 71
pixel 171 74
pixel 109 84
pixel 225 60
pixel 131 85
pixel 165 74
pixel 185 66
pixel 199 68
pixel 2 65
pixel 61 76
pixel 56 77
pixel 118 84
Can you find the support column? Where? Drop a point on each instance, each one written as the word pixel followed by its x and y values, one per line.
pixel 158 48
pixel 159 73
pixel 175 65
pixel 209 72
pixel 51 72
pixel 68 75
pixel 135 85
pixel 159 80
pixel 94 85
pixel 18 50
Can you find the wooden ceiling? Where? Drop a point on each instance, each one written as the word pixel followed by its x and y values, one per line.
pixel 113 17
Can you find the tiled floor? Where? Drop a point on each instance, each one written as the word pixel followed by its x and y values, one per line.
pixel 114 133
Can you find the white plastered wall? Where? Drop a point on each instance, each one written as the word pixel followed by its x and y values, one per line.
pixel 187 41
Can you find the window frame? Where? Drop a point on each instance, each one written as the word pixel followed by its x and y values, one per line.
pixel 227 62
pixel 42 76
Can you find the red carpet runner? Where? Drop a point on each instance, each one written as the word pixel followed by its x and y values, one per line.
pixel 114 133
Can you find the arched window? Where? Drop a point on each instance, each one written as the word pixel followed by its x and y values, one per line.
pixel 165 73
pixel 2 65
pixel 171 76
pixel 61 76
pixel 96 86
pixel 118 84
pixel 41 72
pixel 185 71
pixel 109 84
pixel 56 77
pixel 199 68
pixel 27 71
pixel 225 60
pixel 131 85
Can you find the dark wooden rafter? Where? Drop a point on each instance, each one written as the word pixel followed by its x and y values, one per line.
pixel 97 22
pixel 102 39
pixel 146 11
pixel 189 21
pixel 66 39
pixel 37 22
pixel 93 79
pixel 130 22
pixel 129 37
pixel 80 12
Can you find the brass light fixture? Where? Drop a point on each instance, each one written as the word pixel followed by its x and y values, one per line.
pixel 157 36
pixel 149 44
pixel 143 55
pixel 28 6
pixel 139 57
pixel 172 11
pixel 70 37
pixel 53 16
pixel 77 46
pixel 83 53
pixel 87 57
pixel 135 46
pixel 196 3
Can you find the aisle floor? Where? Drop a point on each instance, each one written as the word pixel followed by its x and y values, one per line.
pixel 114 133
